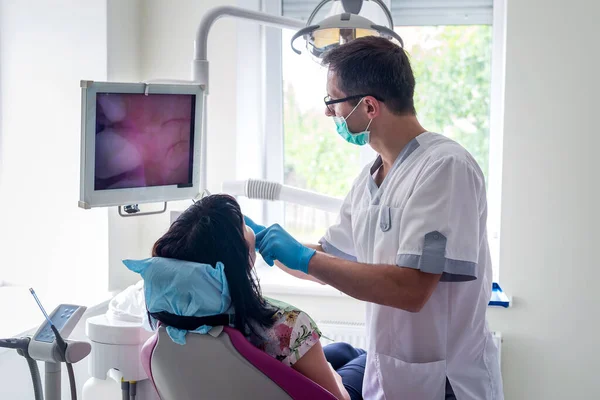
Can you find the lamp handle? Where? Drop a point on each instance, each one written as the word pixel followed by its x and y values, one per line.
pixel 302 32
pixel 390 33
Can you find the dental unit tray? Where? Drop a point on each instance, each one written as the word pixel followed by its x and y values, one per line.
pixel 48 345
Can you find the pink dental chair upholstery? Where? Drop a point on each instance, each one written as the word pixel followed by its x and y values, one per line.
pixel 221 365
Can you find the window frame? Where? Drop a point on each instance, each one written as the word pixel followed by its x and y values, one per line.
pixel 273 98
pixel 274 130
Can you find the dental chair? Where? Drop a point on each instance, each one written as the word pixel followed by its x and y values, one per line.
pixel 221 365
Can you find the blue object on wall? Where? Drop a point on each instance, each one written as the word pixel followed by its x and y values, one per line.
pixel 499 298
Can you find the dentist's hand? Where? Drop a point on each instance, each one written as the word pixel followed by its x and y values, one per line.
pixel 256 228
pixel 253 225
pixel 274 243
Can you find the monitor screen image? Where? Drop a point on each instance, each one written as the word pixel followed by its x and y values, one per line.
pixel 143 140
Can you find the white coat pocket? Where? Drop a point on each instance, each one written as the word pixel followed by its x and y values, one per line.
pixel 411 381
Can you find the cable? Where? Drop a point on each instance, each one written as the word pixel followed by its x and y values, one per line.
pixel 62 347
pixel 72 381
pixel 21 345
pixel 124 389
pixel 132 389
pixel 35 377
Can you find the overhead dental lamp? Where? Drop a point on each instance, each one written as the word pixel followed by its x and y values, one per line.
pixel 343 25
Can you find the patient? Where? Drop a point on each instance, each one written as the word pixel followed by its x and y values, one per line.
pixel 212 231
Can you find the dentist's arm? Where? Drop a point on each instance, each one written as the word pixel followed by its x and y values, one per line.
pixel 389 285
pixel 404 288
pixel 299 274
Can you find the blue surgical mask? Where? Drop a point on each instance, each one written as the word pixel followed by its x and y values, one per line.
pixel 360 138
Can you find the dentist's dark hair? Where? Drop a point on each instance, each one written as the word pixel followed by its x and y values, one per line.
pixel 376 66
pixel 212 230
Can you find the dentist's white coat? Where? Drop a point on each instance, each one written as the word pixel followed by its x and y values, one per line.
pixel 430 214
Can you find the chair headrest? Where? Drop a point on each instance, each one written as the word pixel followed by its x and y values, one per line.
pixel 183 288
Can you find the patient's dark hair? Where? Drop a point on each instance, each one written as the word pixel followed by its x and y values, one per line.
pixel 210 231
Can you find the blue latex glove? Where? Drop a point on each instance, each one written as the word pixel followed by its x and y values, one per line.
pixel 256 228
pixel 274 243
pixel 253 225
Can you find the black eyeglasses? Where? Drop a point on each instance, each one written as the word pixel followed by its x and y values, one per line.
pixel 329 101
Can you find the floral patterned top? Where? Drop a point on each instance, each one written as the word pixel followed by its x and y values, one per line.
pixel 292 335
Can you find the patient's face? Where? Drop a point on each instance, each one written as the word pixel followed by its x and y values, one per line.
pixel 251 240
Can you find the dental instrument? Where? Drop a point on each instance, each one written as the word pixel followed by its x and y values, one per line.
pixel 48 345
pixel 267 190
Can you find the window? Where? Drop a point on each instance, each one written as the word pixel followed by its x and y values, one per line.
pixel 452 63
pixel 452 67
pixel 315 157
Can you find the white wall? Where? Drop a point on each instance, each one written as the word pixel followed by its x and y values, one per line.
pixel 123 33
pixel 550 215
pixel 45 49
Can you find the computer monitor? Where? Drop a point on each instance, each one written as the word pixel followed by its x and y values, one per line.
pixel 140 143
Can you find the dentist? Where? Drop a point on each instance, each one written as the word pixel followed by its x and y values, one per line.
pixel 410 239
